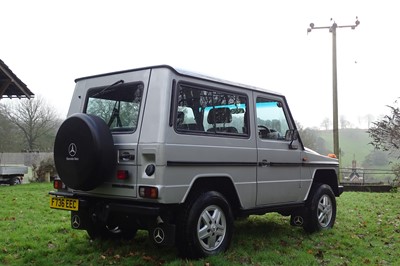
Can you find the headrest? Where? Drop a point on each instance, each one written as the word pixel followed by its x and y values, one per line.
pixel 180 118
pixel 219 115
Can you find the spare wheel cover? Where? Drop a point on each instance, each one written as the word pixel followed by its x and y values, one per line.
pixel 84 152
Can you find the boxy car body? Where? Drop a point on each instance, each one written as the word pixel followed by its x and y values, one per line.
pixel 182 155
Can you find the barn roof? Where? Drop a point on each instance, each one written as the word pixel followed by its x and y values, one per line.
pixel 10 85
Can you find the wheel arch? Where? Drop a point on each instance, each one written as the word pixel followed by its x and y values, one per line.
pixel 221 184
pixel 329 177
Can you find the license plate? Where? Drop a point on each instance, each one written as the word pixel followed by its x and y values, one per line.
pixel 64 203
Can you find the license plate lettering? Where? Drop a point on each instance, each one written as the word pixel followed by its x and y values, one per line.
pixel 64 203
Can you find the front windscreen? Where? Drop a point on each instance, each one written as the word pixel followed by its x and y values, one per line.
pixel 117 105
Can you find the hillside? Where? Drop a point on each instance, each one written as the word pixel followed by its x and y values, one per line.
pixel 375 165
pixel 353 144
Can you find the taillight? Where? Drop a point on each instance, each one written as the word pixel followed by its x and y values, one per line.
pixel 148 192
pixel 58 184
pixel 122 174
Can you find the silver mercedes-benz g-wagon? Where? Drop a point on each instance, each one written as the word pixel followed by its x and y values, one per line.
pixel 182 155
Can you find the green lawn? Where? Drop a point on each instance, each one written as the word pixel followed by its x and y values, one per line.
pixel 367 232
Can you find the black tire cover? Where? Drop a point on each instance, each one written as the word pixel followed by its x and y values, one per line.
pixel 84 152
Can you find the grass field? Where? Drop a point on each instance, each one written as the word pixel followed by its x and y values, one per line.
pixel 367 232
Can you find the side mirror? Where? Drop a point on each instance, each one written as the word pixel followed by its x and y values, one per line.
pixel 292 135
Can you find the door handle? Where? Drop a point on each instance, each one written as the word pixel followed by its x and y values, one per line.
pixel 126 156
pixel 263 163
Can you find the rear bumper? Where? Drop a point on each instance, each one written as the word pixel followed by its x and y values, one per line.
pixel 340 189
pixel 114 205
pixel 99 211
pixel 134 209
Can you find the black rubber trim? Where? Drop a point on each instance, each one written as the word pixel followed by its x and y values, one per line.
pixel 273 208
pixel 62 194
pixel 272 164
pixel 281 164
pixel 134 209
pixel 188 163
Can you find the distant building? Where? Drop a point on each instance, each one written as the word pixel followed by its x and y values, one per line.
pixel 11 86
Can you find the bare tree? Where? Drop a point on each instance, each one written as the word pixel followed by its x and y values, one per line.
pixel 326 123
pixel 8 129
pixel 344 123
pixel 34 118
pixel 385 133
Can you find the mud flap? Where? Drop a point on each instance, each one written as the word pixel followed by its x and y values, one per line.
pixel 163 234
pixel 80 220
pixel 299 217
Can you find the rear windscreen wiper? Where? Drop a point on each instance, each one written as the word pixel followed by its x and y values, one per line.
pixel 106 88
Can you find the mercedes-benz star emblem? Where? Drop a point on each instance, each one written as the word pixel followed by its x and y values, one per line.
pixel 76 221
pixel 72 149
pixel 298 220
pixel 158 235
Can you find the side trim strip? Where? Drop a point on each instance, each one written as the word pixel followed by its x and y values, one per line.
pixel 285 164
pixel 272 164
pixel 321 164
pixel 188 163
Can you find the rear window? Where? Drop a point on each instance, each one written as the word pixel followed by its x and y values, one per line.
pixel 118 105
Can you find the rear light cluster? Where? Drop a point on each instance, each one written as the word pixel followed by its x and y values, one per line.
pixel 122 174
pixel 144 191
pixel 58 184
pixel 148 192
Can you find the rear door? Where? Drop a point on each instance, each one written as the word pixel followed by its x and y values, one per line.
pixel 279 167
pixel 119 100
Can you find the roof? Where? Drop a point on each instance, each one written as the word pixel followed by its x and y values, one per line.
pixel 183 72
pixel 10 85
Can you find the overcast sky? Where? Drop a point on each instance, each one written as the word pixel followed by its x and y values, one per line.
pixel 48 44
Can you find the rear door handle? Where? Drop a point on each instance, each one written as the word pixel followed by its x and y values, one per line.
pixel 126 156
pixel 263 163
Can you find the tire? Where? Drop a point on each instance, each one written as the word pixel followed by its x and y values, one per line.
pixel 84 152
pixel 205 227
pixel 321 209
pixel 15 181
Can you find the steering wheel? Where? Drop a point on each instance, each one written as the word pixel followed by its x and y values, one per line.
pixel 263 131
pixel 264 128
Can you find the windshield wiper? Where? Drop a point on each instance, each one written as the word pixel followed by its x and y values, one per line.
pixel 107 88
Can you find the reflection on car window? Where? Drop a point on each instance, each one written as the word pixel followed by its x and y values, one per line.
pixel 211 111
pixel 271 119
pixel 118 106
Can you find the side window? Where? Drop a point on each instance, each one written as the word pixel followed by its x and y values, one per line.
pixel 118 106
pixel 271 119
pixel 209 111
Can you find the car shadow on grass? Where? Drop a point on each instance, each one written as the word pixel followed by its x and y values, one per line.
pixel 251 235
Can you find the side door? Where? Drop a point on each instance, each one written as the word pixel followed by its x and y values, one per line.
pixel 279 163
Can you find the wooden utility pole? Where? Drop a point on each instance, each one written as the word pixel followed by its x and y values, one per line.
pixel 332 29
